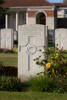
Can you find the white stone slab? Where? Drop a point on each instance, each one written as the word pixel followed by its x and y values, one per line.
pixel 61 38
pixel 31 38
pixel 6 38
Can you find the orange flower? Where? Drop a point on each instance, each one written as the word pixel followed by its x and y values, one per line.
pixel 48 65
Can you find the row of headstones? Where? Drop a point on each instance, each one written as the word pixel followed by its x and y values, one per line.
pixel 6 39
pixel 31 38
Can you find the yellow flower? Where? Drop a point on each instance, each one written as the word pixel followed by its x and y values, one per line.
pixel 48 65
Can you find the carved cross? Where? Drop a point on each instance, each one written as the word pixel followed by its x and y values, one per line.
pixel 30 50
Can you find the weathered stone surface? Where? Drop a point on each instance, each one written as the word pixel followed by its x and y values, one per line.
pixel 61 38
pixel 31 39
pixel 50 23
pixel 6 39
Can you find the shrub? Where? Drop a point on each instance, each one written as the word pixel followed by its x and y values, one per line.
pixel 58 62
pixel 13 84
pixel 6 51
pixel 55 66
pixel 54 62
pixel 43 84
pixel 36 84
pixel 15 50
pixel 10 84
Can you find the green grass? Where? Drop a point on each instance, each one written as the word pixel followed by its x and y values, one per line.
pixel 31 96
pixel 11 59
pixel 8 59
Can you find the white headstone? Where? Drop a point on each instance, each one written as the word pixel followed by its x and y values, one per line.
pixel 31 38
pixel 61 38
pixel 6 39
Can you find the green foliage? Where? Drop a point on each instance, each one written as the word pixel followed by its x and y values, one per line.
pixel 36 84
pixel 2 10
pixel 54 78
pixel 54 62
pixel 10 84
pixel 6 51
pixel 55 66
pixel 15 50
pixel 43 84
pixel 58 62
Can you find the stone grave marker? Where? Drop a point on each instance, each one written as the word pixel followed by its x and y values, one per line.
pixel 6 39
pixel 61 38
pixel 31 38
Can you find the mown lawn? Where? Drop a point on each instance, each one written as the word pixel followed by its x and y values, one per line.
pixel 8 59
pixel 31 96
pixel 11 59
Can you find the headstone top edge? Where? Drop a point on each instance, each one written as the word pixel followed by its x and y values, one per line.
pixel 28 25
pixel 7 29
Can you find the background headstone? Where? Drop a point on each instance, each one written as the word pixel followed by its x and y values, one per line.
pixel 6 39
pixel 31 38
pixel 61 38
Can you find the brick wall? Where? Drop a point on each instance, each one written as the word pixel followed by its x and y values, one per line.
pixel 49 17
pixel 48 12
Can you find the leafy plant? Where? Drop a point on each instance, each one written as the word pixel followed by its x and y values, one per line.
pixel 54 62
pixel 55 66
pixel 43 84
pixel 15 50
pixel 10 84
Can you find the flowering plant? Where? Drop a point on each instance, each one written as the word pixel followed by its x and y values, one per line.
pixel 54 62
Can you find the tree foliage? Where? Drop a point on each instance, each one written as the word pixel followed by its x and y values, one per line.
pixel 2 10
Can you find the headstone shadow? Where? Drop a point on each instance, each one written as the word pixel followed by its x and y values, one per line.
pixel 9 71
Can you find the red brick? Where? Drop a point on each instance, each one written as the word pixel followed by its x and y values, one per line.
pixel 48 12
